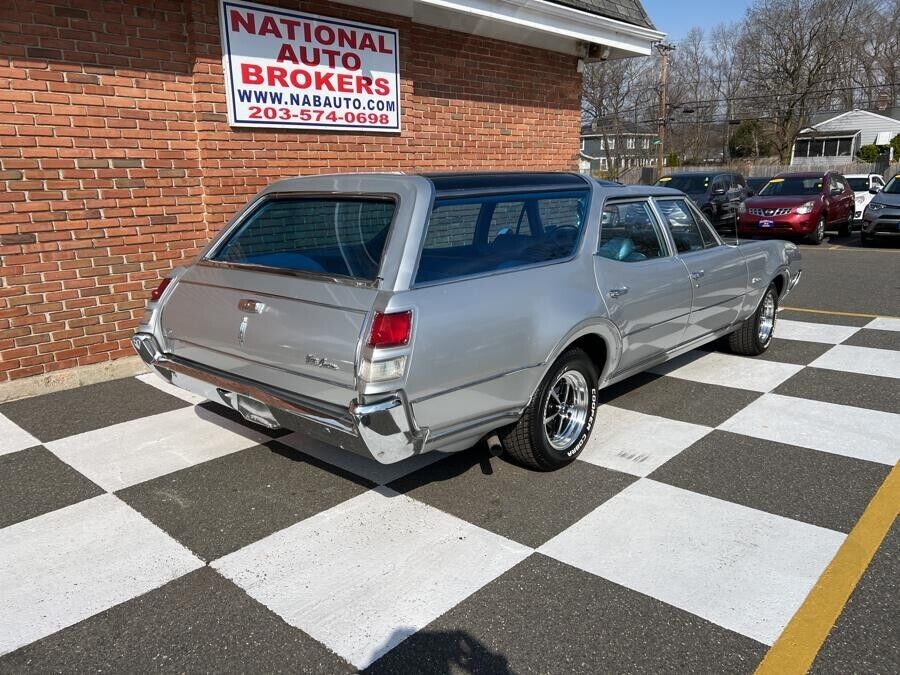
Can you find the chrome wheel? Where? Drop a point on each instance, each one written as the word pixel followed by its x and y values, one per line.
pixel 766 319
pixel 566 409
pixel 820 230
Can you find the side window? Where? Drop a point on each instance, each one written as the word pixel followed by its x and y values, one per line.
pixel 508 218
pixel 453 225
pixel 688 233
pixel 629 233
pixel 739 181
pixel 720 183
pixel 524 229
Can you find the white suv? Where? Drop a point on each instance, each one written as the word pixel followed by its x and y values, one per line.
pixel 861 184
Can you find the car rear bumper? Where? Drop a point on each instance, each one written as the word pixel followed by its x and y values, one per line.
pixel 384 430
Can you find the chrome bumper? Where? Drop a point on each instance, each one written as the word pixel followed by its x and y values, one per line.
pixel 385 430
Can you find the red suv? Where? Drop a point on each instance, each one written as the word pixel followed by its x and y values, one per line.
pixel 799 204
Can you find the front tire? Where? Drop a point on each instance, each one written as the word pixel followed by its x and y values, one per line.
pixel 558 421
pixel 755 334
pixel 817 235
pixel 865 239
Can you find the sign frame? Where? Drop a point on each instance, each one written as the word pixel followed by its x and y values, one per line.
pixel 294 123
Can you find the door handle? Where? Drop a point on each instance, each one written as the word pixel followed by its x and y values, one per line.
pixel 618 292
pixel 697 275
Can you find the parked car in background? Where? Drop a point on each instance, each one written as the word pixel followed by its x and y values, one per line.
pixel 799 205
pixel 756 183
pixel 882 215
pixel 392 315
pixel 718 194
pixel 864 185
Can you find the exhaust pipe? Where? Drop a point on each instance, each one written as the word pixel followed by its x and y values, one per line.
pixel 495 447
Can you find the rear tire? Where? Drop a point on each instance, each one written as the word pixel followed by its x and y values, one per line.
pixel 755 334
pixel 558 421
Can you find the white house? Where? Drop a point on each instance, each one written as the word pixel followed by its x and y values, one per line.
pixel 838 139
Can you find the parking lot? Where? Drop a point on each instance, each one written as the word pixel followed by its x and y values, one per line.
pixel 143 529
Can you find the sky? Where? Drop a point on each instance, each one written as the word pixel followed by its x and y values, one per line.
pixel 677 17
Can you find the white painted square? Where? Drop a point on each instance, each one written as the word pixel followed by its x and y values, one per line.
pixel 741 568
pixel 132 452
pixel 368 573
pixel 728 370
pixel 785 329
pixel 884 323
pixel 158 382
pixel 843 430
pixel 637 443
pixel 365 467
pixel 862 360
pixel 64 566
pixel 13 437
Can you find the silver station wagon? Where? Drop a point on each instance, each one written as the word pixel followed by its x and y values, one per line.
pixel 392 315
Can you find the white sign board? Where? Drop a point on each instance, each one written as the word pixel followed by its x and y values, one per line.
pixel 286 69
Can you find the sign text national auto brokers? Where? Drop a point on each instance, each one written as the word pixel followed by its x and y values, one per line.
pixel 286 69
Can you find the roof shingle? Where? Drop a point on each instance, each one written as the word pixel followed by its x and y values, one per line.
pixel 629 11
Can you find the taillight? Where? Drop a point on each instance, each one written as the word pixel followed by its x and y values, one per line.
pixel 157 293
pixel 391 330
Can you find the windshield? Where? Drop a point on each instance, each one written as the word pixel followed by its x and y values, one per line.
pixel 859 184
pixel 893 186
pixel 792 187
pixel 689 183
pixel 330 235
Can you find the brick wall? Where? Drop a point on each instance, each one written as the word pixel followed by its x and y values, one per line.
pixel 117 162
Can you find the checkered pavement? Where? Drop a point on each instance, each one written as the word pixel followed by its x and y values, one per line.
pixel 141 528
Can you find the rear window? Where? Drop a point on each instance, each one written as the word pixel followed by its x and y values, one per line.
pixel 478 235
pixel 334 236
pixel 686 183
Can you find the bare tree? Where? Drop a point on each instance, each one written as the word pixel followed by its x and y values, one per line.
pixel 791 49
pixel 727 73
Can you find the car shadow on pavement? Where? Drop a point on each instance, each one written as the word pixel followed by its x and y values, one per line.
pixel 438 653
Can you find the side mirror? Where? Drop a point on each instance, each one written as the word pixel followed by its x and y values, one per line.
pixel 836 191
pixel 874 190
pixel 750 192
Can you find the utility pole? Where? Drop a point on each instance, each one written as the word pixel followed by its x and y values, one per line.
pixel 664 50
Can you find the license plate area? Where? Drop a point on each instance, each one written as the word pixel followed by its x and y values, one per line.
pixel 767 223
pixel 250 409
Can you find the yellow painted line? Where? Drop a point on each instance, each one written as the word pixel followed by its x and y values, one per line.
pixel 796 648
pixel 836 313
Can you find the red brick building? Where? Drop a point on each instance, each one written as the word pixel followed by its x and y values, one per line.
pixel 117 159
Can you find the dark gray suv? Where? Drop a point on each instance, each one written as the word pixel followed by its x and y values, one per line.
pixel 718 194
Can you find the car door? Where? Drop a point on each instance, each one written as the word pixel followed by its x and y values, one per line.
pixel 718 272
pixel 647 290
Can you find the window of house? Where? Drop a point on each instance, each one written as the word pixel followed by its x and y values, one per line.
pixel 831 147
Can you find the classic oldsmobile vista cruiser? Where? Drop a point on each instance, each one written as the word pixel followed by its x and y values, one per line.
pixel 392 315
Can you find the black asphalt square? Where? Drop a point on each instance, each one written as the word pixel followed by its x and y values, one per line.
pixel 677 399
pixel 199 623
pixel 793 351
pixel 877 339
pixel 866 637
pixel 35 481
pixel 816 487
pixel 543 616
pixel 521 504
pixel 834 386
pixel 219 506
pixel 76 411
